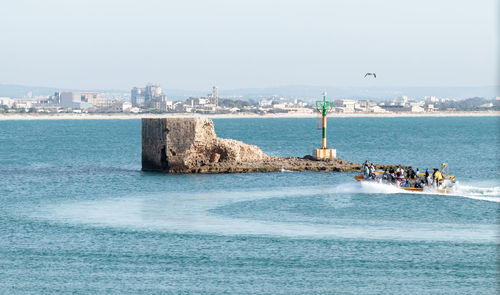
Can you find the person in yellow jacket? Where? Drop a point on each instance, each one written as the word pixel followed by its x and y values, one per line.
pixel 438 177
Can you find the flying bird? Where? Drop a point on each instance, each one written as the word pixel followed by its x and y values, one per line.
pixel 370 74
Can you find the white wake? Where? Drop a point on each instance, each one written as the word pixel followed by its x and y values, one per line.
pixel 491 194
pixel 192 213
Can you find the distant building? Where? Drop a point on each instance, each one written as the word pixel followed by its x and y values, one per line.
pixel 344 105
pixel 208 104
pixel 265 103
pixel 56 98
pixel 161 105
pixel 70 100
pixel 6 101
pixel 416 109
pixel 279 106
pixel 377 109
pixel 90 97
pixel 149 96
pixel 197 101
pixel 24 103
pixel 77 100
pixel 179 106
pixel 396 108
pixel 400 109
pixel 417 104
pixel 126 106
pixel 214 96
pixel 431 99
pixel 137 96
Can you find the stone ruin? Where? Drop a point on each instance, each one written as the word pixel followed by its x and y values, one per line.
pixel 183 145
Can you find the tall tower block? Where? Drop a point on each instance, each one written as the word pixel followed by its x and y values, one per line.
pixel 215 95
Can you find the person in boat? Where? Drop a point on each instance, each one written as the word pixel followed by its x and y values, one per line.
pixel 417 178
pixel 426 180
pixel 366 169
pixel 397 176
pixel 409 176
pixel 400 175
pixel 391 175
pixel 385 177
pixel 403 177
pixel 372 171
pixel 438 177
pixel 417 183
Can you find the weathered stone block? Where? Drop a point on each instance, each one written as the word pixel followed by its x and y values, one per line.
pixel 154 144
pixel 186 144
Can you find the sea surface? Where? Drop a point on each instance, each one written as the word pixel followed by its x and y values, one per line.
pixel 77 214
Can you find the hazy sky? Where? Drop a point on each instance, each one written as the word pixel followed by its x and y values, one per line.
pixel 188 44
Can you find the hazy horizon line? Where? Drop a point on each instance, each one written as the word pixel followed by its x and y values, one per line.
pixel 245 88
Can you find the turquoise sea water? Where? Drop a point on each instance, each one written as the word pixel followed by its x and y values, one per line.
pixel 77 215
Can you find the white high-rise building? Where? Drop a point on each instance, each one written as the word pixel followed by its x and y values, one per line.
pixel 143 96
pixel 214 96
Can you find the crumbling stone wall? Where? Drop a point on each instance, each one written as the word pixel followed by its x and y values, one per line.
pixel 154 144
pixel 185 145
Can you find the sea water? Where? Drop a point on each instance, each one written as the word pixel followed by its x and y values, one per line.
pixel 77 214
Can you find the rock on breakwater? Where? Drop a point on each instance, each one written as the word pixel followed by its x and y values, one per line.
pixel 190 145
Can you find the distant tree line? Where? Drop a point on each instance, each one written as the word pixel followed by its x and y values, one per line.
pixel 469 104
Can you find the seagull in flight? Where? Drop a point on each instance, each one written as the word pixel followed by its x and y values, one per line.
pixel 371 74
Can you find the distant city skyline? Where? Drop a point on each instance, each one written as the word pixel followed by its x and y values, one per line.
pixel 291 91
pixel 249 44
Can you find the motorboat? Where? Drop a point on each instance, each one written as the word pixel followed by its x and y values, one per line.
pixel 418 183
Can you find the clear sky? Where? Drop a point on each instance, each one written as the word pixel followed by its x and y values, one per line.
pixel 190 44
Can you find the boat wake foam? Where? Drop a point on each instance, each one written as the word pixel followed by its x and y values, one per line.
pixel 367 188
pixel 194 213
pixel 491 194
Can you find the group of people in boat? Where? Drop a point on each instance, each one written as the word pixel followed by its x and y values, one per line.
pixel 402 177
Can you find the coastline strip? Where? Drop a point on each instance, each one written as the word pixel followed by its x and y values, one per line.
pixel 121 116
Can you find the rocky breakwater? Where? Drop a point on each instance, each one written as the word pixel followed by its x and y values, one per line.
pixel 190 145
